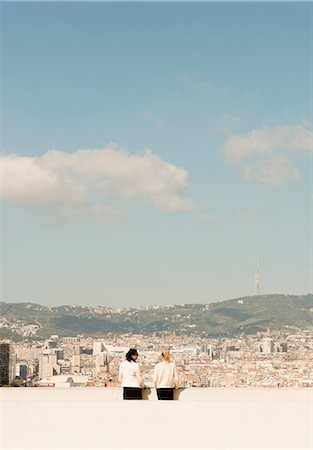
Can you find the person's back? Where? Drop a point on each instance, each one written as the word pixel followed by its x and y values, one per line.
pixel 165 375
pixel 129 374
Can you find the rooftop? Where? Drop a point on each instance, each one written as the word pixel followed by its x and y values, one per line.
pixel 202 418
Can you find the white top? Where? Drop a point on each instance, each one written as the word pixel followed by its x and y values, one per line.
pixel 165 375
pixel 129 374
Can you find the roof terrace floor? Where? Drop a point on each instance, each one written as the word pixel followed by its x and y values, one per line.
pixel 213 418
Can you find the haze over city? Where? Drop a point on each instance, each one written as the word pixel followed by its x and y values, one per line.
pixel 152 152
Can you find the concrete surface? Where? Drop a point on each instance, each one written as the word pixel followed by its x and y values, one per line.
pixel 97 418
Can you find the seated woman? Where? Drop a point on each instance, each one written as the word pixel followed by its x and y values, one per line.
pixel 165 377
pixel 130 376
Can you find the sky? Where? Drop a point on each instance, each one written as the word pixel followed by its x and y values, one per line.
pixel 153 152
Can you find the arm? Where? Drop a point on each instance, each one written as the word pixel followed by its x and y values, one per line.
pixel 120 374
pixel 175 377
pixel 139 376
pixel 155 376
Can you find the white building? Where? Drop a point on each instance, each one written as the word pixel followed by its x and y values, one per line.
pixel 98 347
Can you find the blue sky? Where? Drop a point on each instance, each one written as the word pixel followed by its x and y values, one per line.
pixel 153 151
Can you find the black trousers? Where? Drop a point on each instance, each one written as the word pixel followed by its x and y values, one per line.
pixel 132 393
pixel 165 393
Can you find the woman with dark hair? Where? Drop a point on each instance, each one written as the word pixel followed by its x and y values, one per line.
pixel 130 376
pixel 165 377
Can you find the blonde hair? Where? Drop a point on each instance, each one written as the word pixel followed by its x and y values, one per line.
pixel 166 355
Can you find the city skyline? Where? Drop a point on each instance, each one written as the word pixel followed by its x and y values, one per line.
pixel 156 153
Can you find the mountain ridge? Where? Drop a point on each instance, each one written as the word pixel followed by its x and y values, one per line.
pixel 240 315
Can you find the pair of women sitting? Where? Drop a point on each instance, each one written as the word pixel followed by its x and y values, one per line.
pixel 165 377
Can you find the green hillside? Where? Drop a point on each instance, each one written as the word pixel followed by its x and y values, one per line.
pixel 245 315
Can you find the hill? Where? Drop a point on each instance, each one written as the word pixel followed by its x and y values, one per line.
pixel 245 315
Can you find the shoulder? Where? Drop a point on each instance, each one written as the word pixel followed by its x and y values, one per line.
pixel 132 364
pixel 124 363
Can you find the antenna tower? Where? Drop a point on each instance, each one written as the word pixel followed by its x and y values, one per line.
pixel 257 277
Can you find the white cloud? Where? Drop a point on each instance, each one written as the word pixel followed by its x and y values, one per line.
pixel 88 182
pixel 268 155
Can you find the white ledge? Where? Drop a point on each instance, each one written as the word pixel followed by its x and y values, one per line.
pixel 203 418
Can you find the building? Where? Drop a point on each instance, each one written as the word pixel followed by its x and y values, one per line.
pixel 6 364
pixel 22 370
pixel 267 345
pixel 98 347
pixel 75 367
pixel 48 365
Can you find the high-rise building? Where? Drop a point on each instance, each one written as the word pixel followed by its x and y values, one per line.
pixel 75 368
pixel 23 370
pixel 100 369
pixel 98 347
pixel 267 345
pixel 6 364
pixel 282 347
pixel 59 354
pixel 210 351
pixel 77 349
pixel 48 365
pixel 204 348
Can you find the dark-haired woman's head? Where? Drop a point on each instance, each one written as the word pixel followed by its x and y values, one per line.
pixel 132 354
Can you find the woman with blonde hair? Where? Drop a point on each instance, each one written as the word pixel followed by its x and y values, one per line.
pixel 165 377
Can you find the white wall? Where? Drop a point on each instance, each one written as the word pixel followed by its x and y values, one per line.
pixel 94 418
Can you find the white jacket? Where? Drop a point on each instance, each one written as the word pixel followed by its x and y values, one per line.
pixel 165 375
pixel 129 374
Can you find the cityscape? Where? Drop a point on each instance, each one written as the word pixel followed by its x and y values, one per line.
pixel 267 359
